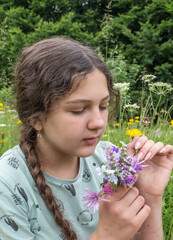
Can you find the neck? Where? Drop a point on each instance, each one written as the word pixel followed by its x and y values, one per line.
pixel 56 164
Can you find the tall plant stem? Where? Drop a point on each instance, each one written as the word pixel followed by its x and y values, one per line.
pixel 155 110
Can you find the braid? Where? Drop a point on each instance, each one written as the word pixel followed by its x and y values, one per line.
pixel 27 144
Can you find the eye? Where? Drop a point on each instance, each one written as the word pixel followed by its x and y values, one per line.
pixel 78 112
pixel 104 107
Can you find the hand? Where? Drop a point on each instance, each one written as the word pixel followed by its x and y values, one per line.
pixel 153 179
pixel 122 216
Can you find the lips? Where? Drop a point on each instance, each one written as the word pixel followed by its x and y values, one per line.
pixel 91 140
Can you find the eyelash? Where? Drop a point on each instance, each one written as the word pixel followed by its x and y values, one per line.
pixel 82 111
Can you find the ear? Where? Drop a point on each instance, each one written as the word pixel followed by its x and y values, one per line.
pixel 36 124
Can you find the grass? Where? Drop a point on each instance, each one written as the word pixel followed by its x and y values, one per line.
pixel 116 132
pixel 9 128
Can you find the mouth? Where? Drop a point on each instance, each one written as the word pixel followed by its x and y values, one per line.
pixel 91 140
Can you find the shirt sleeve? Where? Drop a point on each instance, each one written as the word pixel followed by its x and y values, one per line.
pixel 14 223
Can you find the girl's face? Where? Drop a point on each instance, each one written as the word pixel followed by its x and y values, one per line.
pixel 77 122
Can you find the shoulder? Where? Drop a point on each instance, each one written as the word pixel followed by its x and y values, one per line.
pixel 13 167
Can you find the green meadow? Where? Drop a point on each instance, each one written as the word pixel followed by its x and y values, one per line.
pixel 131 119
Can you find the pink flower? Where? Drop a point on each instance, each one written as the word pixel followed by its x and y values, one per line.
pixel 93 199
pixel 107 189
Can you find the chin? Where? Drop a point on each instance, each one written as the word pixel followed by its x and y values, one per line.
pixel 87 152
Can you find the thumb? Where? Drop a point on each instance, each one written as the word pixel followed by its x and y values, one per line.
pixel 131 145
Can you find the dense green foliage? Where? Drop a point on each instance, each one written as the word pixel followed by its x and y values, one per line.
pixel 135 37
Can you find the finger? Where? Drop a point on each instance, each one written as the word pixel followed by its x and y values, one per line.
pixel 137 144
pixel 130 196
pixel 137 204
pixel 141 141
pixel 131 145
pixel 142 215
pixel 145 150
pixel 166 149
pixel 118 194
pixel 152 151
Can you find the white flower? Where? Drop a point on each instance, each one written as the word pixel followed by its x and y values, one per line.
pixel 101 170
pixel 122 87
pixel 123 144
pixel 161 88
pixel 109 171
pixel 131 107
pixel 148 78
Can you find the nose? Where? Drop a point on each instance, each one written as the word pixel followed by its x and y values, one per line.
pixel 97 119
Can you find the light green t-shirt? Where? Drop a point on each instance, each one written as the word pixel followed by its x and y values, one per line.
pixel 23 213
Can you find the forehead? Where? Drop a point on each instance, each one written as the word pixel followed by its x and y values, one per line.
pixel 93 86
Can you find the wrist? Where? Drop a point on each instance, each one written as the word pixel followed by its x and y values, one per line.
pixel 152 200
pixel 100 236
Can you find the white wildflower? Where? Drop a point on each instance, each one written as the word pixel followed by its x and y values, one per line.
pixel 148 78
pixel 101 170
pixel 131 107
pixel 161 88
pixel 123 144
pixel 122 87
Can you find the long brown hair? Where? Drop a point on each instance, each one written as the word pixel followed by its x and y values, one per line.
pixel 44 74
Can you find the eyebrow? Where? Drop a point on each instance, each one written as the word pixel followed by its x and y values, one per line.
pixel 85 100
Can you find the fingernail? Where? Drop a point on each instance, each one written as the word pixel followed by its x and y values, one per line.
pixel 148 156
pixel 140 156
pixel 137 145
pixel 162 150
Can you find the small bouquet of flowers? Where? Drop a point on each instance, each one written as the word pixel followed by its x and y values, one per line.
pixel 119 169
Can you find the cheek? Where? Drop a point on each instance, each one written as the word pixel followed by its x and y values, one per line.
pixel 73 125
pixel 105 117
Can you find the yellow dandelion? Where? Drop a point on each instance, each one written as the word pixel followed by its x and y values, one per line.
pixel 19 122
pixel 134 132
pixel 137 117
pixel 7 106
pixel 137 121
pixel 1 109
pixel 130 120
pixel 129 123
pixel 1 104
pixel 171 122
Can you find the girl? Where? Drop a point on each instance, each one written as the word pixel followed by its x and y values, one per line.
pixel 62 91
